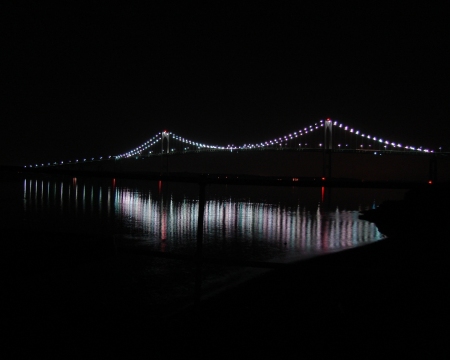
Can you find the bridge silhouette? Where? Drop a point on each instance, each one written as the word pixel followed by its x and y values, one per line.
pixel 323 135
pixel 328 139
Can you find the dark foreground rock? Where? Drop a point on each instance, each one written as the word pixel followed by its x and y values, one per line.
pixel 424 211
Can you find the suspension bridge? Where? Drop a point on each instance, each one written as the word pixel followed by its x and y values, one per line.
pixel 323 135
pixel 325 148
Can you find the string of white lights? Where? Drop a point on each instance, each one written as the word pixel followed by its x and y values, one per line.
pixel 145 146
pixel 387 144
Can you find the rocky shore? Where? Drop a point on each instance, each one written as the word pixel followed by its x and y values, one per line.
pixel 424 211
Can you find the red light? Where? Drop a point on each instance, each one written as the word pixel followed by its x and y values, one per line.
pixel 323 178
pixel 430 182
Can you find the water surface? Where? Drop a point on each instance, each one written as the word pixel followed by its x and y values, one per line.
pixel 245 222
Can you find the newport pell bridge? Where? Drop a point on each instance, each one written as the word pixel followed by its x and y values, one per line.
pixel 332 145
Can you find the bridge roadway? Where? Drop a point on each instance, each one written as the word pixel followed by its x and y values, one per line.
pixel 365 165
pixel 277 167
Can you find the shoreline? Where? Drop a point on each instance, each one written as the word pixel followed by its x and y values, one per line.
pixel 379 295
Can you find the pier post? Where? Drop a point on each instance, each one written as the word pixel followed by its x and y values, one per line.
pixel 199 250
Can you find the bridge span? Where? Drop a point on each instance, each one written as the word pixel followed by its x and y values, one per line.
pixel 324 149
pixel 367 167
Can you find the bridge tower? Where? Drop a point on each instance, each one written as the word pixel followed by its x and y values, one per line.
pixel 328 139
pixel 165 150
pixel 327 148
pixel 165 136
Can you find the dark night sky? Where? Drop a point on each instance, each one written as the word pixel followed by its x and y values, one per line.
pixel 98 80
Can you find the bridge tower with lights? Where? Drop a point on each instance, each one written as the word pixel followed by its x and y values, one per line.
pixel 165 142
pixel 327 148
pixel 165 150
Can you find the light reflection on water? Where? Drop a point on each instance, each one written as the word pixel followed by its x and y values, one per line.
pixel 166 219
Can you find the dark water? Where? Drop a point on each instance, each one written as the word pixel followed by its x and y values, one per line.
pixel 241 224
pixel 253 223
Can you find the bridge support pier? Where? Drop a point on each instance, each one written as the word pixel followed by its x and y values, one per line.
pixel 326 173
